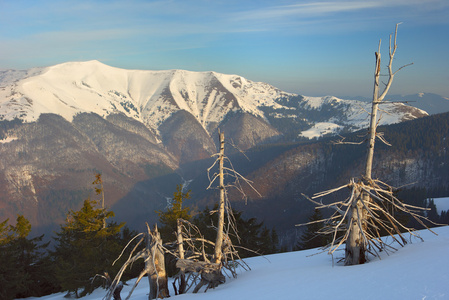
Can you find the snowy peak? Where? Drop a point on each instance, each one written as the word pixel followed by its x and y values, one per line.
pixel 148 96
pixel 152 97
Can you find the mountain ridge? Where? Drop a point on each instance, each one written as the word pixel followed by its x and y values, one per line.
pixel 146 131
pixel 151 97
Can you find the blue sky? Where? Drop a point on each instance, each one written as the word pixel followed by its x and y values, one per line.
pixel 314 48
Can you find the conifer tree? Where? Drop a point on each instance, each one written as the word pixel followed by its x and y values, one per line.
pixel 22 269
pixel 176 211
pixel 312 238
pixel 85 247
pixel 253 237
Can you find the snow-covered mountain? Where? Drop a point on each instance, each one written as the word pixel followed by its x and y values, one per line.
pixel 429 102
pixel 148 96
pixel 144 130
pixel 152 97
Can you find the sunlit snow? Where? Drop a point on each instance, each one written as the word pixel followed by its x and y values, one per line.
pixel 148 96
pixel 320 129
pixel 151 97
pixel 417 271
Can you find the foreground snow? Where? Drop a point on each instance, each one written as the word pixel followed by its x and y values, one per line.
pixel 417 271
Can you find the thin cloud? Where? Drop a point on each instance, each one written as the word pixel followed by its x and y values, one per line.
pixel 356 15
pixel 305 10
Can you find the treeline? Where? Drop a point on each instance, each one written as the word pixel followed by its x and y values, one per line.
pixel 6 125
pixel 85 245
pixel 88 243
pixel 430 133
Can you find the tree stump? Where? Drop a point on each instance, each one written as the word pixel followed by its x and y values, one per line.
pixel 155 266
pixel 210 272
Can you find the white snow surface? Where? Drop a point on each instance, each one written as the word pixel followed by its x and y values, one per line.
pixel 153 96
pixel 417 271
pixel 8 140
pixel 357 112
pixel 148 96
pixel 320 129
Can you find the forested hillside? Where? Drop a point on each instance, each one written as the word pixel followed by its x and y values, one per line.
pixel 417 160
pixel 280 172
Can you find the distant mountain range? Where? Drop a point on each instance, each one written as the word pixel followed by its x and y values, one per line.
pixel 429 102
pixel 157 98
pixel 146 131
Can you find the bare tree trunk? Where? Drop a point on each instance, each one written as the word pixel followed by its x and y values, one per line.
pixel 373 120
pixel 182 278
pixel 356 246
pixel 155 264
pixel 356 243
pixel 358 218
pixel 218 254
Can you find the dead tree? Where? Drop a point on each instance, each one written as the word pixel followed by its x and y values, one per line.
pixel 196 266
pixel 364 213
pixel 153 255
pixel 358 216
pixel 218 253
pixel 182 277
pixel 202 269
pixel 224 208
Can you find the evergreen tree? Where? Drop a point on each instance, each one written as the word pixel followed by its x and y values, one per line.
pixel 23 271
pixel 168 220
pixel 253 237
pixel 176 211
pixel 86 247
pixel 311 238
pixel 432 213
pixel 13 277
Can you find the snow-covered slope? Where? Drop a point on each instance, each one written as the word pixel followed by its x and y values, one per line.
pixel 356 112
pixel 417 271
pixel 149 96
pixel 152 97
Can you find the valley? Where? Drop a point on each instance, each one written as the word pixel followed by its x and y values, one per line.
pixel 147 131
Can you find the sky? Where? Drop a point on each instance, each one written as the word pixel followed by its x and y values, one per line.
pixel 313 48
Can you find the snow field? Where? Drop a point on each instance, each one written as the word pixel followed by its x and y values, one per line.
pixel 420 270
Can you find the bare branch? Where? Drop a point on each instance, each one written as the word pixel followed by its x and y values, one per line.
pixel 342 142
pixel 380 136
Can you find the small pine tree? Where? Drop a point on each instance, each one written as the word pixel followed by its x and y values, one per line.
pixel 311 237
pixel 254 237
pixel 85 247
pixel 169 218
pixel 176 211
pixel 23 272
